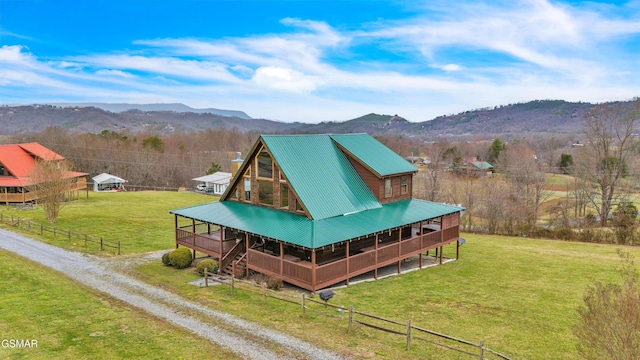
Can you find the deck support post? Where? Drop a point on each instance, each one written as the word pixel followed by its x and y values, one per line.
pixel 440 254
pixel 313 271
pixel 457 250
pixel 221 234
pixel 246 268
pixel 193 231
pixel 348 270
pixel 375 271
pixel 281 258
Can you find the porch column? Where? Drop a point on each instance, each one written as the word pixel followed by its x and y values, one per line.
pixel 348 271
pixel 193 231
pixel 246 239
pixel 441 237
pixel 399 250
pixel 221 234
pixel 313 271
pixel 375 271
pixel 6 197
pixel 281 257
pixel 23 197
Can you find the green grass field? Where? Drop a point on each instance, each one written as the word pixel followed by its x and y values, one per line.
pixel 139 220
pixel 71 322
pixel 519 295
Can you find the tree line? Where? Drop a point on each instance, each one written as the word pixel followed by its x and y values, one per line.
pixel 600 175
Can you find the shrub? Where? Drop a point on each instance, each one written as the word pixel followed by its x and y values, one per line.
pixel 274 284
pixel 165 259
pixel 209 264
pixel 181 258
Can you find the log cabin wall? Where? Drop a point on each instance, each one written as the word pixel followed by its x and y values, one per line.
pixel 376 185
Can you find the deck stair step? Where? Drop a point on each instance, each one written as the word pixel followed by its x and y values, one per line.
pixel 240 266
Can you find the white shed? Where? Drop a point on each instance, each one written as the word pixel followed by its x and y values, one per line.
pixel 215 183
pixel 108 182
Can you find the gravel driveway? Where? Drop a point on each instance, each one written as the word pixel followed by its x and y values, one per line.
pixel 248 340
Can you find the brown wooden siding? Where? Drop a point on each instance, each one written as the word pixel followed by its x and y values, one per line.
pixel 371 179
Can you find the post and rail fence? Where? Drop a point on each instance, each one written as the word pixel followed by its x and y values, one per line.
pixel 407 330
pixel 69 235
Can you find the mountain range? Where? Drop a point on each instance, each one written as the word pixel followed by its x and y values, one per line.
pixel 534 117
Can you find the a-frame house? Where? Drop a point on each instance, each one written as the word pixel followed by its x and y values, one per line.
pixel 316 210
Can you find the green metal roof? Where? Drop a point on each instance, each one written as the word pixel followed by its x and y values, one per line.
pixel 299 230
pixel 321 175
pixel 482 165
pixel 374 154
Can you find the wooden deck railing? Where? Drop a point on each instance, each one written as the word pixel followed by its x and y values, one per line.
pixel 301 273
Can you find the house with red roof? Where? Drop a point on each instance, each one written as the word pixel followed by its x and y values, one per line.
pixel 17 162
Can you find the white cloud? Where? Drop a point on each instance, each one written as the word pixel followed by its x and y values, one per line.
pixel 284 79
pixel 458 56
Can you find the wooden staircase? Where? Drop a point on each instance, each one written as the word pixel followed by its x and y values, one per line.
pixel 240 261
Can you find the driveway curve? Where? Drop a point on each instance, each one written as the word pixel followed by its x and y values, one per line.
pixel 98 274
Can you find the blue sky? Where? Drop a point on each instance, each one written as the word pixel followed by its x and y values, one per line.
pixel 313 61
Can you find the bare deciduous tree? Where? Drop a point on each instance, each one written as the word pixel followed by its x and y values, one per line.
pixel 51 181
pixel 605 158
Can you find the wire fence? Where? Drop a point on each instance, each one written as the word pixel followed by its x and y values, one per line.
pixel 407 330
pixel 86 240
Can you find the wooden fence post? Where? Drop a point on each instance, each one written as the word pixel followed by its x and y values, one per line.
pixel 206 278
pixel 118 247
pixel 409 334
pixel 40 229
pixel 481 350
pixel 264 293
pixel 69 235
pixel 101 248
pixel 350 318
pixel 54 233
pixel 303 305
pixel 233 285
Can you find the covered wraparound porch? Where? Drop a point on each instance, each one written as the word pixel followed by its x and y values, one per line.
pixel 317 268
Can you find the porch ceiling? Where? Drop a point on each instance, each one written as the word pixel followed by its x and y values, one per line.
pixel 298 230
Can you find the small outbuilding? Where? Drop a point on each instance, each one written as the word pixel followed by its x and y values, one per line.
pixel 108 183
pixel 215 183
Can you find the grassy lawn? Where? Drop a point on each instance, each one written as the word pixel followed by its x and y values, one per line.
pixel 518 295
pixel 139 220
pixel 72 322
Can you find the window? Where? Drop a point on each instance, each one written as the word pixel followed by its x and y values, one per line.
pixel 299 206
pixel 265 165
pixel 284 195
pixel 247 189
pixel 234 194
pixel 387 188
pixel 403 185
pixel 265 192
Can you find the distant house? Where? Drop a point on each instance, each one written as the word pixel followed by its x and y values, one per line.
pixel 17 162
pixel 483 168
pixel 215 183
pixel 316 210
pixel 107 182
